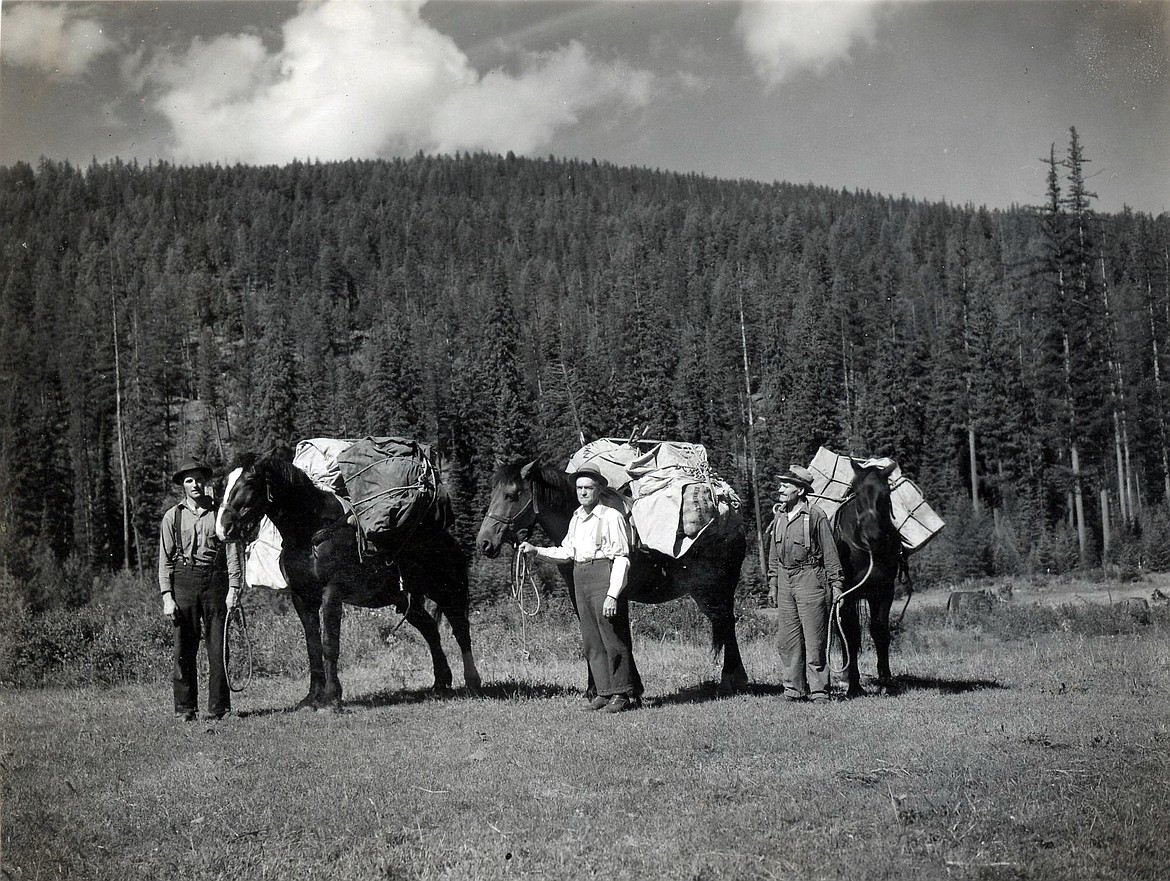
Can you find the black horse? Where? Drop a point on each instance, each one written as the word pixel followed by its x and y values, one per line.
pixel 872 558
pixel 321 560
pixel 523 495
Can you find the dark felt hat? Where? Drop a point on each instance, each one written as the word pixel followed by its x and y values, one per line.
pixel 591 472
pixel 798 475
pixel 190 464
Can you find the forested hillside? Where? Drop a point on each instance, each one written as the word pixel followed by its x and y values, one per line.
pixel 1013 362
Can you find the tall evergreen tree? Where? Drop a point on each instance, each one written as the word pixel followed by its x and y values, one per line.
pixel 275 380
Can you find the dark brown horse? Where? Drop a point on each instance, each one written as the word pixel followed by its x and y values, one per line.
pixel 872 557
pixel 324 568
pixel 524 495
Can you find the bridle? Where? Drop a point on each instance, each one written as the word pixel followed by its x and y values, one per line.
pixel 510 522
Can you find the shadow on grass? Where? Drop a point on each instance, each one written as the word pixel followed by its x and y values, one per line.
pixel 705 692
pixel 506 690
pixel 709 691
pixel 910 682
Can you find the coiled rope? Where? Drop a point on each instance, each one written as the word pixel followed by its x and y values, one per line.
pixel 835 614
pixel 524 581
pixel 236 615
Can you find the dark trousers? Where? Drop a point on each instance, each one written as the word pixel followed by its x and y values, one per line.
pixel 201 595
pixel 803 637
pixel 607 641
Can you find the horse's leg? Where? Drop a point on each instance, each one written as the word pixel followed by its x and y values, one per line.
pixel 847 611
pixel 422 621
pixel 879 629
pixel 309 611
pixel 720 611
pixel 455 611
pixel 331 616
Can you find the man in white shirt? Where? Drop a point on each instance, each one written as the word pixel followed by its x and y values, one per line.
pixel 598 543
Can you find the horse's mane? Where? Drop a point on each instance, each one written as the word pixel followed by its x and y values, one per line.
pixel 285 472
pixel 278 472
pixel 551 486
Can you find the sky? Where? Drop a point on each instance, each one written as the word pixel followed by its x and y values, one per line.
pixel 940 100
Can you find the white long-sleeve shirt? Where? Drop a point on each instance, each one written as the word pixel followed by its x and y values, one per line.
pixel 600 534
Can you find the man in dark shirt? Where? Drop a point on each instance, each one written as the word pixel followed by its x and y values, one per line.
pixel 804 574
pixel 195 570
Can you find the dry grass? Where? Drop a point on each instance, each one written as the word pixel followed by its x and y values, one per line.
pixel 1039 756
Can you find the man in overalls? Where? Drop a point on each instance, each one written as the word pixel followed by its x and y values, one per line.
pixel 195 570
pixel 804 575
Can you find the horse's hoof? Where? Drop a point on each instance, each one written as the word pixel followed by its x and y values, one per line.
pixel 855 691
pixel 731 683
pixel 307 703
pixel 886 689
pixel 473 682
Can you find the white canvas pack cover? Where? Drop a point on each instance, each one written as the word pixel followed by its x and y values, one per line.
pixel 262 558
pixel 317 457
pixel 662 478
pixel 608 455
pixel 915 520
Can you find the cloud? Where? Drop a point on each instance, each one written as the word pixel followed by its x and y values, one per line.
pixel 784 36
pixel 502 112
pixel 369 79
pixel 51 39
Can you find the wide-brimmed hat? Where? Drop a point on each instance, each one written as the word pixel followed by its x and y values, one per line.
pixel 190 464
pixel 591 472
pixel 799 476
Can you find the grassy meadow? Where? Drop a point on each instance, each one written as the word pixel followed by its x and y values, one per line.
pixel 1032 742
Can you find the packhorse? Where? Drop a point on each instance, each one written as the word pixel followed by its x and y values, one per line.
pixel 325 568
pixel 872 558
pixel 524 495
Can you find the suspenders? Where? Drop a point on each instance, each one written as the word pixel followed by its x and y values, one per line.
pixel 177 538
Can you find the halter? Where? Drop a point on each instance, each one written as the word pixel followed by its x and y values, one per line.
pixel 522 575
pixel 510 522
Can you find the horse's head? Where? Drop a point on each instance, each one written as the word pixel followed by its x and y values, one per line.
pixel 246 499
pixel 875 513
pixel 511 512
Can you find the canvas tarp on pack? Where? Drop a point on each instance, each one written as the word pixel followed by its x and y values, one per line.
pixel 262 558
pixel 317 457
pixel 914 519
pixel 394 487
pixel 675 494
pixel 609 456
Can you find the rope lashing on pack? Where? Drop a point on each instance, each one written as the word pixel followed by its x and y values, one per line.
pixel 237 620
pixel 409 603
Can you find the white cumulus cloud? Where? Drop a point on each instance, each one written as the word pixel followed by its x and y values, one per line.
pixel 502 112
pixel 51 38
pixel 365 79
pixel 784 36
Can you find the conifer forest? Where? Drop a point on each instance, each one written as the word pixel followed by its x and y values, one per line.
pixel 1013 361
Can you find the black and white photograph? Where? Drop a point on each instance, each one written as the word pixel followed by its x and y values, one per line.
pixel 673 440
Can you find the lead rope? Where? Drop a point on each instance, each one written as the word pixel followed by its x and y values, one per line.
pixel 237 614
pixel 522 578
pixel 835 613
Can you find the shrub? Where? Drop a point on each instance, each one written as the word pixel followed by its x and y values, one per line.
pixel 93 645
pixel 1155 538
pixel 1012 621
pixel 1055 551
